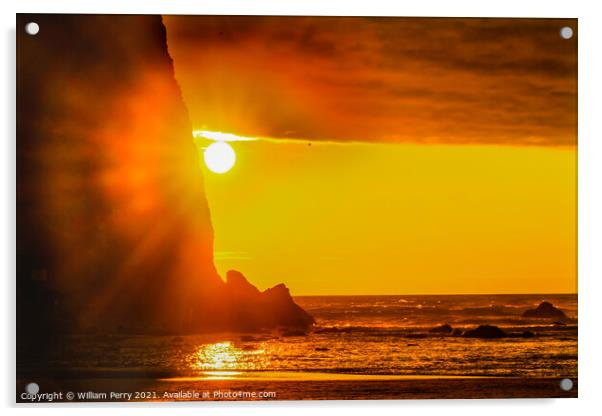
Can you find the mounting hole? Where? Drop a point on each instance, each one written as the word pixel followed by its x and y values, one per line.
pixel 566 32
pixel 566 384
pixel 32 388
pixel 32 28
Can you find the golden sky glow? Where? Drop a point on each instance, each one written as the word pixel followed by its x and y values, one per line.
pixel 397 155
pixel 378 219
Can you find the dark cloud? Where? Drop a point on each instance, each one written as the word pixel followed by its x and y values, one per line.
pixel 507 81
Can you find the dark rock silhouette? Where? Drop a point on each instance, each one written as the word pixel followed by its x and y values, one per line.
pixel 177 340
pixel 331 329
pixel 250 309
pixel 442 329
pixel 457 332
pixel 239 286
pixel 114 229
pixel 416 336
pixel 254 338
pixel 544 310
pixel 524 334
pixel 294 333
pixel 485 331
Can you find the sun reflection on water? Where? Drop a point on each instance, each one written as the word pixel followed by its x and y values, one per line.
pixel 223 356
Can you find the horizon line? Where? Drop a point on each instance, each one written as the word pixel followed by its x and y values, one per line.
pixel 450 294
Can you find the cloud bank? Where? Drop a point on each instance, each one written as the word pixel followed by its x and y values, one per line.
pixel 417 80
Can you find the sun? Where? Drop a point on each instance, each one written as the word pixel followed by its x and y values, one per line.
pixel 219 157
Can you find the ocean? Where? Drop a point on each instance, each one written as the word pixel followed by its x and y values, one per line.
pixel 390 335
pixel 386 335
pixel 369 337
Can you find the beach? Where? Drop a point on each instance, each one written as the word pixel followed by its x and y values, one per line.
pixel 308 387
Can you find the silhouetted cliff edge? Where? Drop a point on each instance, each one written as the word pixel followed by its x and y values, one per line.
pixel 113 227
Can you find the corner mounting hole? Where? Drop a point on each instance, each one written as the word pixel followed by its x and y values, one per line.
pixel 566 32
pixel 566 384
pixel 32 28
pixel 32 388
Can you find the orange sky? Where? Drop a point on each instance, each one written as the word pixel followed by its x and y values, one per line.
pixel 442 155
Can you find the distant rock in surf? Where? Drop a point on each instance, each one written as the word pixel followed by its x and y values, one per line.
pixel 544 310
pixel 177 340
pixel 524 334
pixel 294 333
pixel 247 338
pixel 328 330
pixel 457 332
pixel 442 329
pixel 485 331
pixel 416 336
pixel 252 338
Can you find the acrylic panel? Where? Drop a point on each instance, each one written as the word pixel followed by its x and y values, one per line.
pixel 295 208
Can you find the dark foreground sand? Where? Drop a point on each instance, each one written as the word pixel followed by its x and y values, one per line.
pixel 310 386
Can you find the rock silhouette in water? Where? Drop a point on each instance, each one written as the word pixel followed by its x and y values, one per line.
pixel 485 331
pixel 113 225
pixel 251 309
pixel 442 329
pixel 544 310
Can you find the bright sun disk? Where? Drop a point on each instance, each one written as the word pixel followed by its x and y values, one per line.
pixel 219 157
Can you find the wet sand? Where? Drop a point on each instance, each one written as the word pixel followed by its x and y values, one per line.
pixel 297 386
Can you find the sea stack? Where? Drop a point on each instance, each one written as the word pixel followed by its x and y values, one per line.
pixel 442 329
pixel 114 226
pixel 544 310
